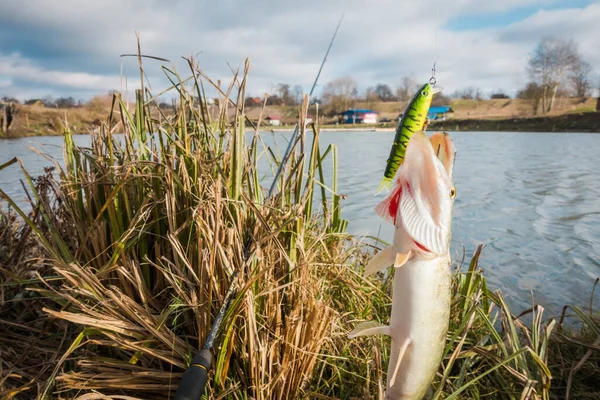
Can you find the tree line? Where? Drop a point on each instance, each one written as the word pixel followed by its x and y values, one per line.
pixel 555 69
pixel 48 101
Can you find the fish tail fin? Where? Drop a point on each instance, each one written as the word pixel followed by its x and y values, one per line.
pixel 386 183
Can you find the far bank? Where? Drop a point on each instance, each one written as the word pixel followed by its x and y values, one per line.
pixel 581 122
pixel 572 115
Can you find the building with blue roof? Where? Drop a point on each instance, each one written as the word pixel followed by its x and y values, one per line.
pixel 439 113
pixel 363 116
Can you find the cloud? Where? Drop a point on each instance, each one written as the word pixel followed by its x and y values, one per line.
pixel 24 74
pixel 72 46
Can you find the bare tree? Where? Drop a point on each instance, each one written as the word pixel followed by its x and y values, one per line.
pixel 284 93
pixel 275 100
pixel 339 93
pixel 499 95
pixel 532 93
pixel 406 90
pixel 49 101
pixel 580 78
pixel 548 67
pixel 10 99
pixel 470 93
pixel 65 102
pixel 384 93
pixel 298 93
pixel 8 113
pixel 371 97
pixel 441 100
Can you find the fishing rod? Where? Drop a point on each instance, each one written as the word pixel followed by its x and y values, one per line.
pixel 195 377
pixel 193 382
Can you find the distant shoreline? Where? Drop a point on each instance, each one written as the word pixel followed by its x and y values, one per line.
pixel 588 122
pixel 567 123
pixel 44 122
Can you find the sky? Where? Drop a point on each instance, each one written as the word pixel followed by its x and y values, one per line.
pixel 72 48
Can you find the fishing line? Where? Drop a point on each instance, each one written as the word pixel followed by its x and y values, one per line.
pixel 432 80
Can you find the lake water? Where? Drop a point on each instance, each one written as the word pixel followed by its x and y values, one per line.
pixel 532 198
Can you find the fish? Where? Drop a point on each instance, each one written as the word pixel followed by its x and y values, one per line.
pixel 420 207
pixel 413 120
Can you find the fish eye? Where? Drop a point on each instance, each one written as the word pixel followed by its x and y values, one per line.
pixel 424 93
pixel 453 193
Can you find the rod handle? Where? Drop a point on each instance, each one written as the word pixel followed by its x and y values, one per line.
pixel 193 382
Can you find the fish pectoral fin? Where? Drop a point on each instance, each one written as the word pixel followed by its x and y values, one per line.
pixel 403 348
pixel 381 260
pixel 369 328
pixel 402 259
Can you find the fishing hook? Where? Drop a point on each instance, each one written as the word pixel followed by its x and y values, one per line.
pixel 432 80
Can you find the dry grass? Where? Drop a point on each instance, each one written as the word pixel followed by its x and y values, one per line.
pixel 39 120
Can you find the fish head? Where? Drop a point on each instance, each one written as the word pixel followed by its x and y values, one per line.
pixel 427 195
pixel 425 95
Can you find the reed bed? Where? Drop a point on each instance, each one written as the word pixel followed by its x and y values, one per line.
pixel 111 283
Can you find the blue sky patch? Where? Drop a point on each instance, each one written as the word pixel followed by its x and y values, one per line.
pixel 467 22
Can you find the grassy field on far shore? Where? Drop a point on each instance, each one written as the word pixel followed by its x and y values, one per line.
pixel 569 115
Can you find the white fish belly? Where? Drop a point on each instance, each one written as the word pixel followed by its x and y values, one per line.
pixel 420 312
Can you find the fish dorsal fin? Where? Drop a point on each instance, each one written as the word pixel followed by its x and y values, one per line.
pixel 370 328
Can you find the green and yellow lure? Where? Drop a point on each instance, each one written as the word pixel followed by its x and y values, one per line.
pixel 412 121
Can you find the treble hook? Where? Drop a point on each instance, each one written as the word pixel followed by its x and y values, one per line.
pixel 432 80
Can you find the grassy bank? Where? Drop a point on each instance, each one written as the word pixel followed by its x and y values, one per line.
pixel 38 120
pixel 584 122
pixel 111 282
pixel 574 122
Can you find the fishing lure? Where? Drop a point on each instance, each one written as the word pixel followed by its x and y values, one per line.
pixel 413 120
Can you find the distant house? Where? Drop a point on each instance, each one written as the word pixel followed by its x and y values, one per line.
pixel 353 116
pixel 439 113
pixel 309 118
pixel 273 120
pixel 253 102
